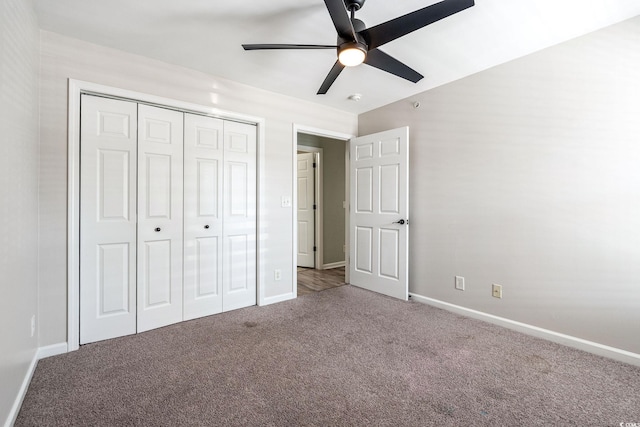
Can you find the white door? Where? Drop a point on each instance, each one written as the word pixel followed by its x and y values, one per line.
pixel 306 210
pixel 108 218
pixel 158 246
pixel 160 205
pixel 203 179
pixel 379 173
pixel 239 218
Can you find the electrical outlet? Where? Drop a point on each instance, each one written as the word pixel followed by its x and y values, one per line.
pixel 285 201
pixel 460 283
pixel 496 291
pixel 277 274
pixel 33 325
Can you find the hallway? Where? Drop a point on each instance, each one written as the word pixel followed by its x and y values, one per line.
pixel 311 280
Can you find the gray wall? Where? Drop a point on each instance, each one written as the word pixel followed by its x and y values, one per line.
pixel 18 195
pixel 333 170
pixel 528 175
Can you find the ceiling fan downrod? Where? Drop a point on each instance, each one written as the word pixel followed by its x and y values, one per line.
pixel 353 5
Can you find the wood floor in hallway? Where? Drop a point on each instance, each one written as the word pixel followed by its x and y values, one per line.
pixel 311 280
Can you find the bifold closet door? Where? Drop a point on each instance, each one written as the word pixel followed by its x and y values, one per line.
pixel 239 219
pixel 108 163
pixel 167 217
pixel 219 216
pixel 160 209
pixel 203 178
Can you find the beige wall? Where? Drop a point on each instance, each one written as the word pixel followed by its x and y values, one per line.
pixel 528 175
pixel 18 196
pixel 64 58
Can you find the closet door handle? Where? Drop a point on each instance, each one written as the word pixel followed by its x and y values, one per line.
pixel 206 226
pixel 157 229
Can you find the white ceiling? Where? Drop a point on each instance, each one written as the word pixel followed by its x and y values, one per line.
pixel 206 35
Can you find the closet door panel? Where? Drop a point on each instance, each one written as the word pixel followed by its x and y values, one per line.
pixel 239 234
pixel 239 263
pixel 207 268
pixel 156 268
pixel 157 189
pixel 203 222
pixel 108 218
pixel 160 205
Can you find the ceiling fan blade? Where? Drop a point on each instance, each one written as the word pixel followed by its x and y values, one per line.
pixel 379 59
pixel 383 33
pixel 331 77
pixel 287 46
pixel 340 18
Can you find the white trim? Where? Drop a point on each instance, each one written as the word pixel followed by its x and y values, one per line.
pixel 262 207
pixel 320 132
pixel 40 353
pixel 280 298
pixel 52 350
pixel 568 340
pixel 318 259
pixel 347 211
pixel 73 216
pixel 294 213
pixel 334 265
pixel 327 134
pixel 22 392
pixel 76 88
pixel 318 158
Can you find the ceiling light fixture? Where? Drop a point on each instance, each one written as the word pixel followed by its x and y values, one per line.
pixel 357 44
pixel 352 54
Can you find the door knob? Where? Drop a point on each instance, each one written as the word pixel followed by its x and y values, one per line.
pixel 400 221
pixel 206 226
pixel 157 229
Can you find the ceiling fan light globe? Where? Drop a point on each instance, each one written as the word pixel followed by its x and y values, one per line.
pixel 352 56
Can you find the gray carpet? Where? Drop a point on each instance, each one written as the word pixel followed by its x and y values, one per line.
pixel 343 356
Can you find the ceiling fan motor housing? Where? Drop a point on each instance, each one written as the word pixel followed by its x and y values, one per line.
pixel 358 26
pixel 354 4
pixel 359 43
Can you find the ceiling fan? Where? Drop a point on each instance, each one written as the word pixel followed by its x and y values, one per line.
pixel 357 44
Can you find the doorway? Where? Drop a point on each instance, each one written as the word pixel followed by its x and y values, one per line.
pixel 309 206
pixel 330 216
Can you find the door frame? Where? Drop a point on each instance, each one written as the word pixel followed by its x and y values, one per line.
pixel 75 89
pixel 297 128
pixel 317 188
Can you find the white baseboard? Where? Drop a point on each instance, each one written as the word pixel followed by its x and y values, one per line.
pixel 22 392
pixel 52 350
pixel 41 353
pixel 568 340
pixel 278 298
pixel 333 265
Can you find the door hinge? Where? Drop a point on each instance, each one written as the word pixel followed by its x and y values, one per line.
pixel 315 207
pixel 314 164
pixel 315 249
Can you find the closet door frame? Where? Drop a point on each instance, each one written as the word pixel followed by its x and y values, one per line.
pixel 78 87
